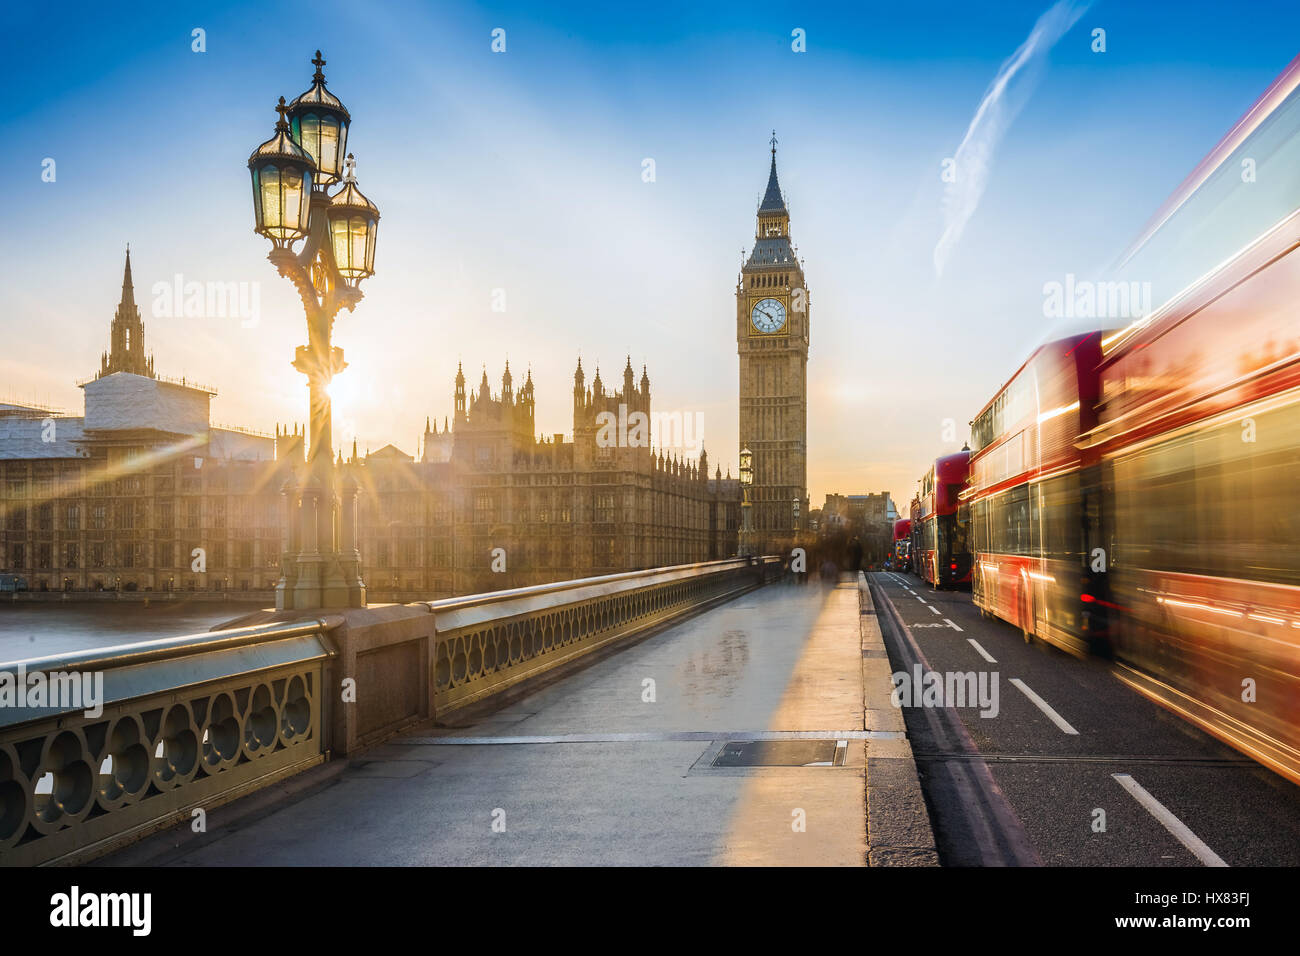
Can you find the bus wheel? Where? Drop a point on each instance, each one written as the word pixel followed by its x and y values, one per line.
pixel 1027 624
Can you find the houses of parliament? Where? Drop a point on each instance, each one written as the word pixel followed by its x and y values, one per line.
pixel 143 493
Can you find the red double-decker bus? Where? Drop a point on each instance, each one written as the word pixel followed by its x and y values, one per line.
pixel 1199 434
pixel 914 546
pixel 1035 500
pixel 944 557
pixel 903 544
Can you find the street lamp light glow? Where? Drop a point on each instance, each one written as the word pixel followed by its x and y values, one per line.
pixel 354 220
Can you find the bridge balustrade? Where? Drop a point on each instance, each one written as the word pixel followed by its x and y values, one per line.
pixel 190 723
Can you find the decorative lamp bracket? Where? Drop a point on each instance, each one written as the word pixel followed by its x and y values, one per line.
pixel 313 271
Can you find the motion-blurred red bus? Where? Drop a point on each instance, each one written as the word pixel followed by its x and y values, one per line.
pixel 1199 432
pixel 903 544
pixel 1035 499
pixel 914 547
pixel 944 559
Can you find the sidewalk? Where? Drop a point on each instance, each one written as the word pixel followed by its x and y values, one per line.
pixel 716 741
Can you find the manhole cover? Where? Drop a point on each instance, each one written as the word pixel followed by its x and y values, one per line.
pixel 778 753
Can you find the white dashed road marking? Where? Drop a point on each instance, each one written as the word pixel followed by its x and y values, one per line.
pixel 983 653
pixel 1170 822
pixel 1042 705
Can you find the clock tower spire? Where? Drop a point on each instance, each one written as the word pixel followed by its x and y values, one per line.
pixel 773 217
pixel 772 334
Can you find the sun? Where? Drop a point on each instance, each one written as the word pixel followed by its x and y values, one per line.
pixel 343 393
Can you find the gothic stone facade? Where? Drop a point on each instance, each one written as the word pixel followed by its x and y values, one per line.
pixel 130 494
pixel 490 505
pixel 140 492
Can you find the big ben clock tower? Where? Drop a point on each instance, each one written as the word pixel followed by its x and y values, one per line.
pixel 772 339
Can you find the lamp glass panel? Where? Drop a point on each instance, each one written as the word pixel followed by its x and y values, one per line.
pixel 371 229
pixel 258 217
pixel 353 246
pixel 326 151
pixel 339 234
pixel 343 143
pixel 292 201
pixel 357 239
pixel 325 138
pixel 272 205
pixel 304 210
pixel 307 131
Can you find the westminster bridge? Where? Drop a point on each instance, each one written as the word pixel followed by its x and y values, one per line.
pixel 717 713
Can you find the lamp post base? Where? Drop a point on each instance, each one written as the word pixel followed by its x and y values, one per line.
pixel 319 581
pixel 307 587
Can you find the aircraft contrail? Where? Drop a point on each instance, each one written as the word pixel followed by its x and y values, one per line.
pixel 995 113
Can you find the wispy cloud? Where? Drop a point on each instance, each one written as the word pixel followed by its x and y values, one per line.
pixel 1006 95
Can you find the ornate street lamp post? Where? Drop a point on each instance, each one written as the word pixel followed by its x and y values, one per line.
pixel 746 507
pixel 292 172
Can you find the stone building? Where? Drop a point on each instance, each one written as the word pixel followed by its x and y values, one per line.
pixel 490 504
pixel 142 492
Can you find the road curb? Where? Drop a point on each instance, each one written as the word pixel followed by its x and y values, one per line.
pixel 899 830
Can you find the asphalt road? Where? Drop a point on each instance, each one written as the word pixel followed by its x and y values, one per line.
pixel 1070 740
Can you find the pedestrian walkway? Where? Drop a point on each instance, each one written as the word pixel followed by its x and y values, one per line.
pixel 687 748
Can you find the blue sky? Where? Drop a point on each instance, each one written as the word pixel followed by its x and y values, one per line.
pixel 522 171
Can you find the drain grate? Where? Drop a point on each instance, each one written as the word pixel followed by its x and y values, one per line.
pixel 781 753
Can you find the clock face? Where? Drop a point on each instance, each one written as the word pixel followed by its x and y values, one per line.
pixel 768 315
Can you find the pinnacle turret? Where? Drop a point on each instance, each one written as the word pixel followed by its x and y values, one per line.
pixel 128 286
pixel 126 335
